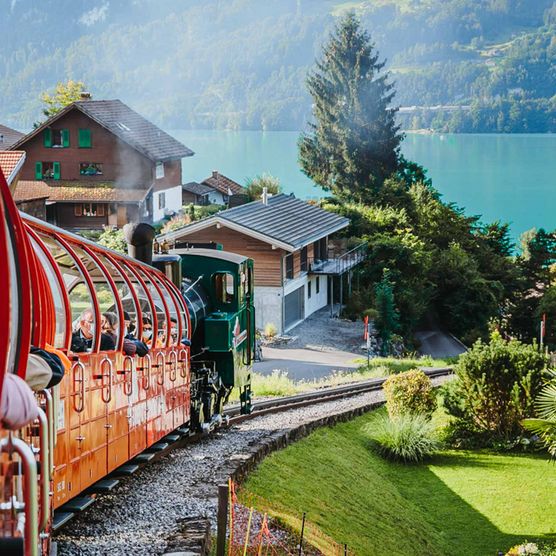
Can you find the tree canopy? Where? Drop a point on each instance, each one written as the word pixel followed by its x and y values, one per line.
pixel 64 94
pixel 353 142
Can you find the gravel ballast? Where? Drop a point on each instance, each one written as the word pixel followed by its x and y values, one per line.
pixel 144 510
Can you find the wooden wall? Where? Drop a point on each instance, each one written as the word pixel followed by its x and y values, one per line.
pixel 267 260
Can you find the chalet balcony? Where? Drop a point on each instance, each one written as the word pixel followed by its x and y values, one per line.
pixel 339 263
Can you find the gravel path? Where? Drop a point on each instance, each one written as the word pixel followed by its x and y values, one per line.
pixel 142 511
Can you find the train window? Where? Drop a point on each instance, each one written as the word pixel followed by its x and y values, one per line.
pixel 57 297
pixel 161 334
pixel 174 324
pixel 224 287
pixel 109 320
pixel 80 297
pixel 147 314
pixel 14 310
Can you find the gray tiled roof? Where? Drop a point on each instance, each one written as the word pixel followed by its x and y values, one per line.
pixel 197 188
pixel 286 219
pixel 9 137
pixel 134 129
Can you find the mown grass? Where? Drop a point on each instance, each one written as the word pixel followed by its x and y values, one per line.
pixel 459 503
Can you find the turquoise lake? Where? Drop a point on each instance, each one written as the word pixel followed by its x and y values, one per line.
pixel 500 177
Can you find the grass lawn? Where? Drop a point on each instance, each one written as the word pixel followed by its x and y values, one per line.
pixel 459 503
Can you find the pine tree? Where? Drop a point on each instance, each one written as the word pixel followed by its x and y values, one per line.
pixel 353 143
pixel 388 318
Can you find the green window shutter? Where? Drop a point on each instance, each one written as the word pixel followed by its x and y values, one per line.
pixel 65 138
pixel 84 138
pixel 56 170
pixel 38 170
pixel 47 137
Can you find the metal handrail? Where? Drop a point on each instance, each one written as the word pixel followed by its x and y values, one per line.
pixel 341 263
pixel 31 534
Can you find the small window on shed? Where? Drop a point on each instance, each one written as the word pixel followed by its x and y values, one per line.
pixel 224 287
pixel 309 293
pixel 159 170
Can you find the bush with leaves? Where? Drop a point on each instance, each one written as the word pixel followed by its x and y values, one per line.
pixel 545 424
pixel 113 238
pixel 496 386
pixel 409 393
pixel 407 438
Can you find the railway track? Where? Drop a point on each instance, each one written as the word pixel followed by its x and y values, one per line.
pixel 181 437
pixel 285 403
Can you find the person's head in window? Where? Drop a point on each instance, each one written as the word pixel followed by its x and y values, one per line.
pixel 128 323
pixel 147 329
pixel 87 324
pixel 109 324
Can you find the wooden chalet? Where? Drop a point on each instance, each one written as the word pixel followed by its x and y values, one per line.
pixel 296 265
pixel 103 164
pixel 217 189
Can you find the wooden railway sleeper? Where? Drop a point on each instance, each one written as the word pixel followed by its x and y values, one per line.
pixel 31 533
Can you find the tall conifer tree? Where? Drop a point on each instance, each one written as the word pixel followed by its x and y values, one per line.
pixel 353 143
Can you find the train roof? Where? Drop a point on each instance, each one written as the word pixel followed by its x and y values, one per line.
pixel 211 253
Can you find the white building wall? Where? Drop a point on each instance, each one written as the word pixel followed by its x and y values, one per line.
pixel 173 202
pixel 317 300
pixel 268 307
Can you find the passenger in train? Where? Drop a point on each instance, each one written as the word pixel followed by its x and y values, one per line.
pixel 82 338
pixel 147 329
pixel 131 346
pixel 141 349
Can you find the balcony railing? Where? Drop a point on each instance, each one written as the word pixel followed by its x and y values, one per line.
pixel 339 264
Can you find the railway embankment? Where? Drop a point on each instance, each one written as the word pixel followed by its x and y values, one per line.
pixel 144 515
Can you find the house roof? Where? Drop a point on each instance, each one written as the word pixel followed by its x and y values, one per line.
pixel 127 125
pixel 9 136
pixel 10 163
pixel 223 184
pixel 284 222
pixel 72 192
pixel 196 188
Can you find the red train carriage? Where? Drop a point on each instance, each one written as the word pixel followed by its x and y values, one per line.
pixel 110 406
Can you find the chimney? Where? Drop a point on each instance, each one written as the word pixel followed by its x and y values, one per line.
pixel 139 238
pixel 215 174
pixel 85 95
pixel 265 196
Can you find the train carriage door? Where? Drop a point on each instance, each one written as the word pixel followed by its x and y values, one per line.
pixel 145 414
pixel 136 374
pixel 76 387
pixel 111 288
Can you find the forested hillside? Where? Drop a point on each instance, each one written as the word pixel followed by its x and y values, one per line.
pixel 459 65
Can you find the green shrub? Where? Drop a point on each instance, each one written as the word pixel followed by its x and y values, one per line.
pixel 495 388
pixel 409 393
pixel 113 238
pixel 407 438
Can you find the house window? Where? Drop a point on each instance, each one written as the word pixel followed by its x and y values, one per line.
pixel 289 266
pixel 318 284
pixel 161 201
pixel 84 139
pixel 303 262
pixel 55 138
pixel 47 170
pixel 321 249
pixel 309 284
pixel 159 170
pixel 224 287
pixel 89 209
pixel 90 168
